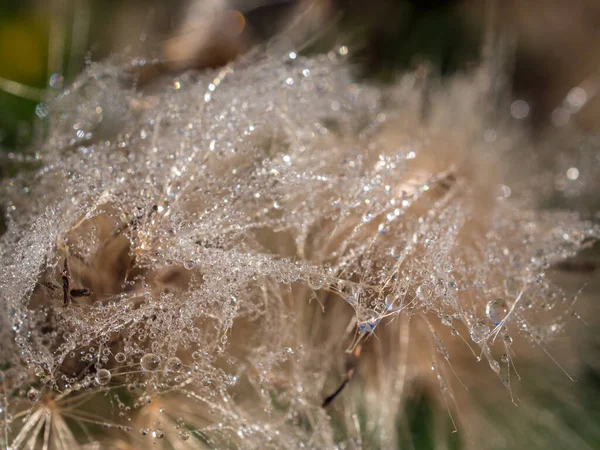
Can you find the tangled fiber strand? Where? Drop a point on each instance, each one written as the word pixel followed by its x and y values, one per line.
pixel 191 262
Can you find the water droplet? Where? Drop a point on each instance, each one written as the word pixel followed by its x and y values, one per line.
pixel 184 435
pixel 479 332
pixel 504 358
pixel 316 282
pixel 440 289
pixel 41 110
pixel 495 365
pixel 103 376
pixel 390 301
pixel 33 395
pixel 447 320
pixel 158 434
pixel 368 326
pixel 56 81
pixel 150 362
pixel 368 321
pixel 508 340
pixel 121 357
pixel 424 291
pixel 174 364
pixel 496 310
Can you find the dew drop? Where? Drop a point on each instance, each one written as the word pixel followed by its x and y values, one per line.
pixel 390 300
pixel 174 364
pixel 56 81
pixel 121 357
pixel 447 320
pixel 150 362
pixel 315 283
pixel 33 395
pixel 158 434
pixel 496 310
pixel 103 376
pixel 41 110
pixel 479 332
pixel 495 365
pixel 424 291
pixel 184 435
pixel 367 327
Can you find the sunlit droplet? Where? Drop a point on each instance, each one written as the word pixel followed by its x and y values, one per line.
pixel 174 364
pixel 41 110
pixel 33 395
pixel 56 81
pixel 496 310
pixel 479 332
pixel 103 376
pixel 424 291
pixel 184 435
pixel 150 362
pixel 158 434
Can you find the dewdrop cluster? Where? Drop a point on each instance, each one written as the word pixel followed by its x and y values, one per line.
pixel 168 256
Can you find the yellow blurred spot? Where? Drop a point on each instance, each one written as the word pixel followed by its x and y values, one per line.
pixel 22 51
